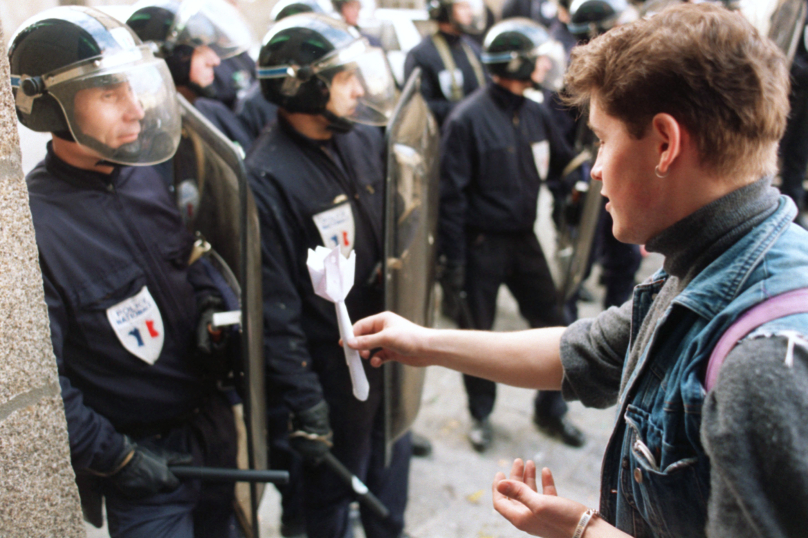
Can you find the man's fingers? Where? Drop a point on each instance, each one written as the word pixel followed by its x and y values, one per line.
pixel 547 483
pixel 369 325
pixel 530 475
pixel 517 470
pixel 518 491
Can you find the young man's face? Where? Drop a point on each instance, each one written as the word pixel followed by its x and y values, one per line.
pixel 350 12
pixel 543 66
pixel 345 93
pixel 110 114
pixel 625 165
pixel 202 63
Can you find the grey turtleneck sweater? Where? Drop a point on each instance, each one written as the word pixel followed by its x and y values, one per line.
pixel 755 421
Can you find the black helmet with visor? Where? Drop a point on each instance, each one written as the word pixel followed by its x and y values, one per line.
pixel 64 57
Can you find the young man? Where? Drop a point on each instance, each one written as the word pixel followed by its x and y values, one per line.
pixel 318 180
pixel 130 318
pixel 496 150
pixel 688 143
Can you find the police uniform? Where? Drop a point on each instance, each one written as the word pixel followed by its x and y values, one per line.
pixel 330 193
pixel 233 77
pixel 436 81
pixel 122 302
pixel 255 112
pixel 496 149
pixel 226 121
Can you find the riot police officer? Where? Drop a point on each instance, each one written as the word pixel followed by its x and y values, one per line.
pixel 129 313
pixel 317 176
pixel 497 147
pixel 194 36
pixel 450 61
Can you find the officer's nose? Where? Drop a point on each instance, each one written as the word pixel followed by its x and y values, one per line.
pixel 357 90
pixel 134 110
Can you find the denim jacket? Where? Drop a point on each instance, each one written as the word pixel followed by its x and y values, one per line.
pixel 656 474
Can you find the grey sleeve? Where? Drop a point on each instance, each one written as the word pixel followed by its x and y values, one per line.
pixel 592 353
pixel 755 432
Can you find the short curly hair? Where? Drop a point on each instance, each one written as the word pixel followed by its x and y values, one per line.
pixel 705 66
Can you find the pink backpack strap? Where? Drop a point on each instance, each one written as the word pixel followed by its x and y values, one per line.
pixel 779 306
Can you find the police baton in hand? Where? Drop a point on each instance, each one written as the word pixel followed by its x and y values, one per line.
pixel 221 474
pixel 363 494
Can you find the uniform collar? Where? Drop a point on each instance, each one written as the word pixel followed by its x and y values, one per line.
pixel 78 177
pixel 505 99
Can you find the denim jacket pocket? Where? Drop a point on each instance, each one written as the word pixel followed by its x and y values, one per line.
pixel 672 500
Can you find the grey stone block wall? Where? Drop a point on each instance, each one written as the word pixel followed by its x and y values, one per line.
pixel 38 495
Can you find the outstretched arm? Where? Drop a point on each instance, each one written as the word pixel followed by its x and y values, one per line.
pixel 528 359
pixel 543 514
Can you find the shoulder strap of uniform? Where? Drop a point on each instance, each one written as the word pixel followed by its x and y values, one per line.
pixel 779 306
pixel 448 62
pixel 475 64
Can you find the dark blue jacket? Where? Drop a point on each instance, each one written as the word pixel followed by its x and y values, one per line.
pixel 293 179
pixel 232 77
pixel 489 181
pixel 425 56
pixel 226 121
pixel 101 239
pixel 254 111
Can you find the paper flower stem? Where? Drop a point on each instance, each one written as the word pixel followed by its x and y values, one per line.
pixel 361 387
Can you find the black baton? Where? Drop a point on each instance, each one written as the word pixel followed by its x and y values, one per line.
pixel 362 492
pixel 220 474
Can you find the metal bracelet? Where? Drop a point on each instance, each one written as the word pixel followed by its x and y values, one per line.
pixel 584 521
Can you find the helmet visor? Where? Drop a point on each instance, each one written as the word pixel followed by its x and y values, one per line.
pixel 551 64
pixel 123 107
pixel 360 83
pixel 214 23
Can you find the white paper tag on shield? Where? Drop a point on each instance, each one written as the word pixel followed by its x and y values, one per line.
pixel 541 156
pixel 336 227
pixel 139 326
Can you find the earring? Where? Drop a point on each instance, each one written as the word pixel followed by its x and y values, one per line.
pixel 660 176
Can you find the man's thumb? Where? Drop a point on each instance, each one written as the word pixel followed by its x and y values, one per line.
pixel 516 491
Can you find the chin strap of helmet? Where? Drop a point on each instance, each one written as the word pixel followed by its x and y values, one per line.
pixel 336 123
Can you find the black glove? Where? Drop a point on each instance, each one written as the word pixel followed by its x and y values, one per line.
pixel 452 280
pixel 311 433
pixel 144 471
pixel 211 344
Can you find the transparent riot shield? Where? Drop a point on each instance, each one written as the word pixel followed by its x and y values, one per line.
pixel 786 26
pixel 219 209
pixel 579 217
pixel 410 233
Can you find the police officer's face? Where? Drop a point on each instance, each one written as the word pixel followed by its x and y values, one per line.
pixel 110 114
pixel 345 93
pixel 462 13
pixel 543 66
pixel 202 63
pixel 350 12
pixel 637 198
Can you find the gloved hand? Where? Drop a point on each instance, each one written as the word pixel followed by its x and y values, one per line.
pixel 144 471
pixel 452 279
pixel 211 344
pixel 311 433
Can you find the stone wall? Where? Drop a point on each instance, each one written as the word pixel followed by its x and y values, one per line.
pixel 38 495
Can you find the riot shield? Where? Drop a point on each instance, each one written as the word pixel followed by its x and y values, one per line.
pixel 410 232
pixel 579 217
pixel 219 208
pixel 786 25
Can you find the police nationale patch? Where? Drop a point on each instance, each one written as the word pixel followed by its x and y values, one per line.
pixel 139 326
pixel 336 227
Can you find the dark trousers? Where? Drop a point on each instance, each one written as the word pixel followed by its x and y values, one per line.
pixel 196 509
pixel 619 263
pixel 516 260
pixel 359 444
pixel 794 147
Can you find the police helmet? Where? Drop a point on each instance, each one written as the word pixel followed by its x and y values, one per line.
pixel 589 18
pixel 178 27
pixel 473 21
pixel 64 57
pixel 305 56
pixel 513 47
pixel 287 8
